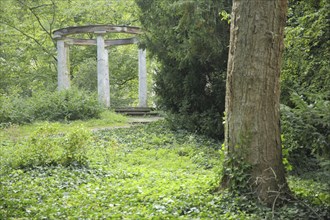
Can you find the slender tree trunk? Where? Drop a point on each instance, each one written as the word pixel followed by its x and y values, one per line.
pixel 252 130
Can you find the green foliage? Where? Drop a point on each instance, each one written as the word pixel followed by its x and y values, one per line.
pixel 69 105
pixel 208 122
pixel 306 129
pixel 47 146
pixel 305 81
pixel 309 189
pixel 190 41
pixel 285 154
pixel 85 75
pixel 236 173
pixel 306 63
pixel 75 146
pixel 72 104
pixel 41 149
pixel 27 52
pixel 28 62
pixel 225 16
pixel 142 172
pixel 15 109
pixel 108 119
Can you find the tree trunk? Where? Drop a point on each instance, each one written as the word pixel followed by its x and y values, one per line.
pixel 252 130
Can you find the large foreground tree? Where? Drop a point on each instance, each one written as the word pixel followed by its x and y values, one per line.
pixel 252 130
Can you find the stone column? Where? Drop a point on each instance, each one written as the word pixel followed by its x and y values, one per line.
pixel 142 79
pixel 103 86
pixel 63 68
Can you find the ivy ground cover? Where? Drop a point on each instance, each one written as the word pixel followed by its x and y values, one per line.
pixel 142 172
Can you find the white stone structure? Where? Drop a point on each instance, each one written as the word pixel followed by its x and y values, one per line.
pixel 63 43
pixel 142 79
pixel 63 66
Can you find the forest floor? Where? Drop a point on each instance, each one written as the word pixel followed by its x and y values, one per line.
pixel 140 170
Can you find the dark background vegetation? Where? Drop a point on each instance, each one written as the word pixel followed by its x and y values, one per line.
pixel 190 40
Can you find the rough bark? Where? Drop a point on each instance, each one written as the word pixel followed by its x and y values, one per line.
pixel 252 130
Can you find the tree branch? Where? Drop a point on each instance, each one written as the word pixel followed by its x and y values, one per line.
pixel 53 17
pixel 32 38
pixel 123 82
pixel 41 25
pixel 31 9
pixel 40 6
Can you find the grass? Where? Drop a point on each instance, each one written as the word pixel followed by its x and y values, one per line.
pixel 142 172
pixel 107 119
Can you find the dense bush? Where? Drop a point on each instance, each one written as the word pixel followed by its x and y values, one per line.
pixel 306 129
pixel 190 41
pixel 15 109
pixel 208 122
pixel 70 104
pixel 306 63
pixel 305 84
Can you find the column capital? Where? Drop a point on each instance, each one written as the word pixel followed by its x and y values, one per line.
pixel 58 37
pixel 100 32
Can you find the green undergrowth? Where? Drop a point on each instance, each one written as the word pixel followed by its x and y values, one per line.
pixel 70 104
pixel 142 172
pixel 107 119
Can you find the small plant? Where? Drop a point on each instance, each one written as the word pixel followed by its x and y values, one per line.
pixel 47 146
pixel 75 145
pixel 43 147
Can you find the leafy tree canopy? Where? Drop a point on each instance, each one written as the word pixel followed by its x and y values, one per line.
pixel 307 56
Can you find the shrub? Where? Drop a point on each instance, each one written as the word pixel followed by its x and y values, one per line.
pixel 306 130
pixel 47 146
pixel 72 104
pixel 208 123
pixel 75 145
pixel 15 109
pixel 42 148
